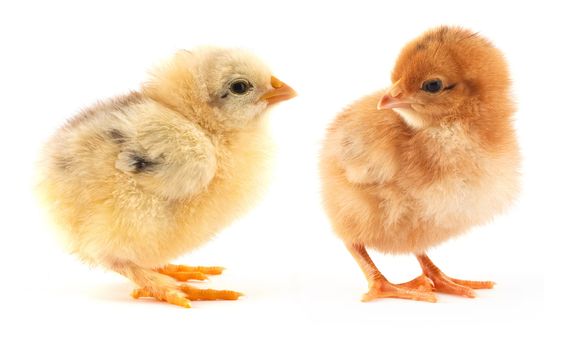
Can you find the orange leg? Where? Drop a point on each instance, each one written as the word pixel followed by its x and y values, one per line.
pixel 445 284
pixel 184 273
pixel 379 287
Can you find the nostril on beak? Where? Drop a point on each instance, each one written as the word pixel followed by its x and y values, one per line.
pixel 383 102
pixel 276 83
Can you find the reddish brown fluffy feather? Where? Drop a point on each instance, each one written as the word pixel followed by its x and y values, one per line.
pixel 399 188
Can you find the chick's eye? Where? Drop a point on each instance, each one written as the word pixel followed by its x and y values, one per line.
pixel 240 87
pixel 433 86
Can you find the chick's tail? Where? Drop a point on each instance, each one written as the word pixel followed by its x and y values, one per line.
pixel 162 285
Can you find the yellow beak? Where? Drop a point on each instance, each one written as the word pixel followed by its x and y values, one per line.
pixel 280 92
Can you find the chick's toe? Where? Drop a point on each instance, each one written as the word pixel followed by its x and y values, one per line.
pixel 381 288
pixel 421 283
pixel 184 273
pixel 193 293
pixel 163 293
pixel 448 285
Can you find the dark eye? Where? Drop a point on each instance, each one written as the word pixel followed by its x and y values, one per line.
pixel 433 86
pixel 240 87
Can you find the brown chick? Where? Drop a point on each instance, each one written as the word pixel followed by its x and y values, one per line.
pixel 408 168
pixel 139 180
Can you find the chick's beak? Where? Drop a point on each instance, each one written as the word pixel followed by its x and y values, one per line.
pixel 280 92
pixel 389 102
pixel 393 99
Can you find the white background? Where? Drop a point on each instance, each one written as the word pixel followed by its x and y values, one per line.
pixel 302 288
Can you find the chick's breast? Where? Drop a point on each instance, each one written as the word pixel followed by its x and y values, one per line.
pixel 131 180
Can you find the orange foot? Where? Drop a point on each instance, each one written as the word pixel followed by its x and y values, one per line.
pixel 184 273
pixel 182 294
pixel 421 283
pixel 417 289
pixel 445 284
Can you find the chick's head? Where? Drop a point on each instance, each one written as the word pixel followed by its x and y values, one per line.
pixel 219 88
pixel 444 73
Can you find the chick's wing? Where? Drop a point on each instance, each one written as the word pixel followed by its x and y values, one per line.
pixel 366 152
pixel 168 156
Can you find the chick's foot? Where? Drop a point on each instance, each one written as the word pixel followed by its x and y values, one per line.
pixel 172 295
pixel 154 284
pixel 182 294
pixel 417 289
pixel 184 273
pixel 421 283
pixel 444 284
pixel 381 288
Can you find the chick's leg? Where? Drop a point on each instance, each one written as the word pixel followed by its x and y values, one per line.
pixel 445 284
pixel 184 273
pixel 161 287
pixel 379 287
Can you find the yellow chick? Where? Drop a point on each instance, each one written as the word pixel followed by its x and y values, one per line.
pixel 141 179
pixel 410 167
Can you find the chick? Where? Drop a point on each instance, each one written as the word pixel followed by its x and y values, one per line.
pixel 139 180
pixel 410 167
